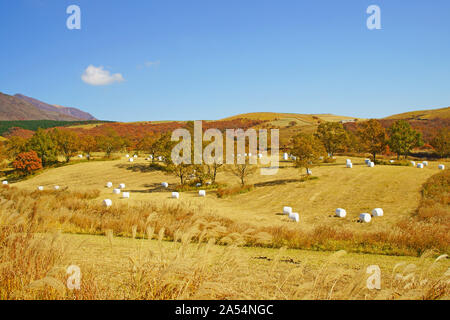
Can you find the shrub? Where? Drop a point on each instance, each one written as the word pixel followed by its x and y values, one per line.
pixel 226 192
pixel 27 162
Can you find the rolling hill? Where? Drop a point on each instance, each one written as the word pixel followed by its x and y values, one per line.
pixel 442 113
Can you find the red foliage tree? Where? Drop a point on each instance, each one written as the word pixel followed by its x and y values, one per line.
pixel 27 163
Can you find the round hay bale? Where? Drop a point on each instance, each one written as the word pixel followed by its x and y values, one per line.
pixel 341 213
pixel 175 195
pixel 165 185
pixel 109 184
pixel 377 212
pixel 4 182
pixel 287 210
pixel 56 188
pixel 365 217
pixel 40 188
pixel 125 195
pixel 441 167
pixel 202 193
pixel 107 203
pixel 117 191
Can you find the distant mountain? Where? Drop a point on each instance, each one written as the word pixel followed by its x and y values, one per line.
pixel 14 108
pixel 73 113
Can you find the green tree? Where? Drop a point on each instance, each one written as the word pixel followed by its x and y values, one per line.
pixel 307 150
pixel 333 136
pixel 45 147
pixel 373 137
pixel 403 138
pixel 15 145
pixel 441 142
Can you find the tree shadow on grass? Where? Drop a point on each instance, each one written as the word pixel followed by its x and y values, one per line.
pixel 141 167
pixel 277 182
pixel 153 188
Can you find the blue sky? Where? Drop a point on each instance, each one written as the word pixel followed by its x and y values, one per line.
pixel 193 59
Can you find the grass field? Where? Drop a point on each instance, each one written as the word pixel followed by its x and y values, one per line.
pixel 394 188
pixel 239 247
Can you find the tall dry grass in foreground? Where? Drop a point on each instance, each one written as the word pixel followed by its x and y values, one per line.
pixel 78 212
pixel 32 258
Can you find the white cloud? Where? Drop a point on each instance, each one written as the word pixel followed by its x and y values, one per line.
pixel 97 76
pixel 152 63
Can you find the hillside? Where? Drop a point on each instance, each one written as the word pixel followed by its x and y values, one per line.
pixel 442 113
pixel 74 113
pixel 13 108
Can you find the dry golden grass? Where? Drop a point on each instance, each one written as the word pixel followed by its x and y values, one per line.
pixel 443 113
pixel 222 248
pixel 396 189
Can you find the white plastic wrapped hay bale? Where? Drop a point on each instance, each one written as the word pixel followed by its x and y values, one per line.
pixel 175 195
pixel 198 184
pixel 420 165
pixel 341 213
pixel 4 182
pixel 349 165
pixel 109 184
pixel 165 185
pixel 371 164
pixel 441 167
pixel 413 163
pixel 107 203
pixel 56 188
pixel 391 161
pixel 209 183
pixel 285 156
pixel 202 193
pixel 117 191
pixel 135 156
pixel 127 156
pixel 287 210
pixel 348 161
pixel 131 160
pixel 125 195
pixel 425 163
pixel 294 217
pixel 367 161
pixel 260 155
pixel 159 158
pixel 122 186
pixel 365 217
pixel 40 188
pixel 80 156
pixel 377 212
pixel 308 172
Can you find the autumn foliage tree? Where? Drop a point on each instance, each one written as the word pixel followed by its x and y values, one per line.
pixel 307 150
pixel 441 142
pixel 373 137
pixel 27 163
pixel 88 144
pixel 333 136
pixel 67 143
pixel 110 142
